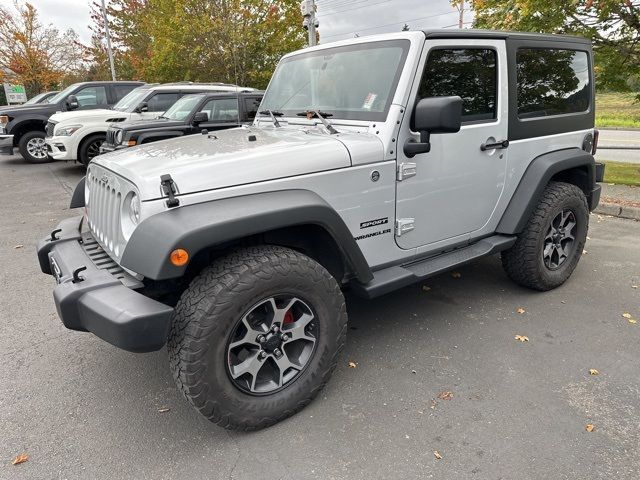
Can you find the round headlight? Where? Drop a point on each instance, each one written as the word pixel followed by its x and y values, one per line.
pixel 134 209
pixel 118 137
pixel 130 214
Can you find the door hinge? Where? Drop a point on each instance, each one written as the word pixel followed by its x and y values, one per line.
pixel 404 225
pixel 406 170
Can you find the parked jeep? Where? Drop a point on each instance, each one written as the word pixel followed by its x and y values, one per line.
pixel 23 126
pixel 78 136
pixel 377 162
pixel 191 114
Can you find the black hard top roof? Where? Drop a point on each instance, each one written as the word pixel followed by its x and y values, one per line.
pixel 502 35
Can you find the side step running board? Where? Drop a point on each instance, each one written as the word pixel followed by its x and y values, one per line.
pixel 393 278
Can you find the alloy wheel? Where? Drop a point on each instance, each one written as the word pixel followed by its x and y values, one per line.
pixel 272 345
pixel 37 148
pixel 559 241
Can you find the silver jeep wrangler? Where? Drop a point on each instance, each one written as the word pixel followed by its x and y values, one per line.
pixel 374 163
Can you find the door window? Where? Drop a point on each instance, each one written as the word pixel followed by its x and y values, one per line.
pixel 91 96
pixel 470 73
pixel 160 102
pixel 552 82
pixel 123 90
pixel 251 105
pixel 222 110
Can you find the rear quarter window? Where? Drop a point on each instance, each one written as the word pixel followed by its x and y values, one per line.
pixel 552 82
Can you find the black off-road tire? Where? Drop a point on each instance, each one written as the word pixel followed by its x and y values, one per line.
pixel 208 312
pixel 87 149
pixel 24 146
pixel 524 262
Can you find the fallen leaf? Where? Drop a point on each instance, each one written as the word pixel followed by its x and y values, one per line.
pixel 437 455
pixel 584 252
pixel 425 288
pixel 633 320
pixel 446 395
pixel 414 372
pixel 455 274
pixel 634 286
pixel 520 310
pixel 593 371
pixel 589 427
pixel 588 237
pixel 522 338
pixel 626 315
pixel 18 246
pixel 353 364
pixel 433 404
pixel 163 409
pixel 23 457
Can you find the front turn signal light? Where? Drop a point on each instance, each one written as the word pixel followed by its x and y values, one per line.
pixel 131 143
pixel 179 257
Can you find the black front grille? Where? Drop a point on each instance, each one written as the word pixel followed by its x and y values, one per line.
pixel 49 129
pixel 111 137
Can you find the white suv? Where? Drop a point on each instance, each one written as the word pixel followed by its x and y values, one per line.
pixel 77 135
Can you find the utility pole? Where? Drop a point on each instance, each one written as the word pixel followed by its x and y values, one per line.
pixel 461 18
pixel 310 22
pixel 109 51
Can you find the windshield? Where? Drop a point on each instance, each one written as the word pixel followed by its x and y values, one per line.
pixel 63 93
pixel 131 100
pixel 355 82
pixel 182 108
pixel 36 99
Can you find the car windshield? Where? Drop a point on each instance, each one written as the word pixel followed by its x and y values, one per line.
pixel 182 108
pixel 355 82
pixel 63 94
pixel 36 99
pixel 131 100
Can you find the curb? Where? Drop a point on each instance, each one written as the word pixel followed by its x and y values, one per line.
pixel 620 211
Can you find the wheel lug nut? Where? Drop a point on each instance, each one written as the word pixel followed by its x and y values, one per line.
pixel 262 354
pixel 261 339
pixel 277 352
pixel 275 328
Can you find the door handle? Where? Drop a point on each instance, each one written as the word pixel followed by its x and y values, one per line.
pixel 492 146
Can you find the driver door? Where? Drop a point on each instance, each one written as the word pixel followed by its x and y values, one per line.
pixel 453 190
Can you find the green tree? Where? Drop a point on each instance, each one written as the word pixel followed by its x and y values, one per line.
pixel 612 25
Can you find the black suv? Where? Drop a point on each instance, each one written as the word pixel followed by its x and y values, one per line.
pixel 23 126
pixel 191 114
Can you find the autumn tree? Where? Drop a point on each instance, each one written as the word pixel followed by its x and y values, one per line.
pixel 33 54
pixel 204 40
pixel 612 25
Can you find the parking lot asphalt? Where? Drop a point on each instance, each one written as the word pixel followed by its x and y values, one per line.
pixel 82 409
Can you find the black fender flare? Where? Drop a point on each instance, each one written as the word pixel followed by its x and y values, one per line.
pixel 204 225
pixel 77 199
pixel 19 121
pixel 153 136
pixel 536 177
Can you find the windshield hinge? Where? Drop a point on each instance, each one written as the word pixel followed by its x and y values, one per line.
pixel 404 225
pixel 170 189
pixel 406 170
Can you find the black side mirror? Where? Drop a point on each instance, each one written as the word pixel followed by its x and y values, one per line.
pixel 200 117
pixel 72 102
pixel 143 107
pixel 433 115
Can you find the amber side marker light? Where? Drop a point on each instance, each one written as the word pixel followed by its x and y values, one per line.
pixel 131 143
pixel 179 257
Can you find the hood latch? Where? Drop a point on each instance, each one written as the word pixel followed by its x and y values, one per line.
pixel 170 189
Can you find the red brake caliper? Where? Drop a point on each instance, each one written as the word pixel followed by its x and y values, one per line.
pixel 288 318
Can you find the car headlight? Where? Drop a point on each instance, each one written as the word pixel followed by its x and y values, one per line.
pixel 130 214
pixel 118 137
pixel 66 131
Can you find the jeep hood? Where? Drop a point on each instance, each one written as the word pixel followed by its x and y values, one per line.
pixel 234 157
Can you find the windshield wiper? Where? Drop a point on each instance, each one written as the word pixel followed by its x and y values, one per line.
pixel 322 116
pixel 273 116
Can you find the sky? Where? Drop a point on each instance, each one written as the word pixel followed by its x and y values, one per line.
pixel 339 19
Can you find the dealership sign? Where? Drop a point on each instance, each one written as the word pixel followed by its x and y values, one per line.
pixel 15 93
